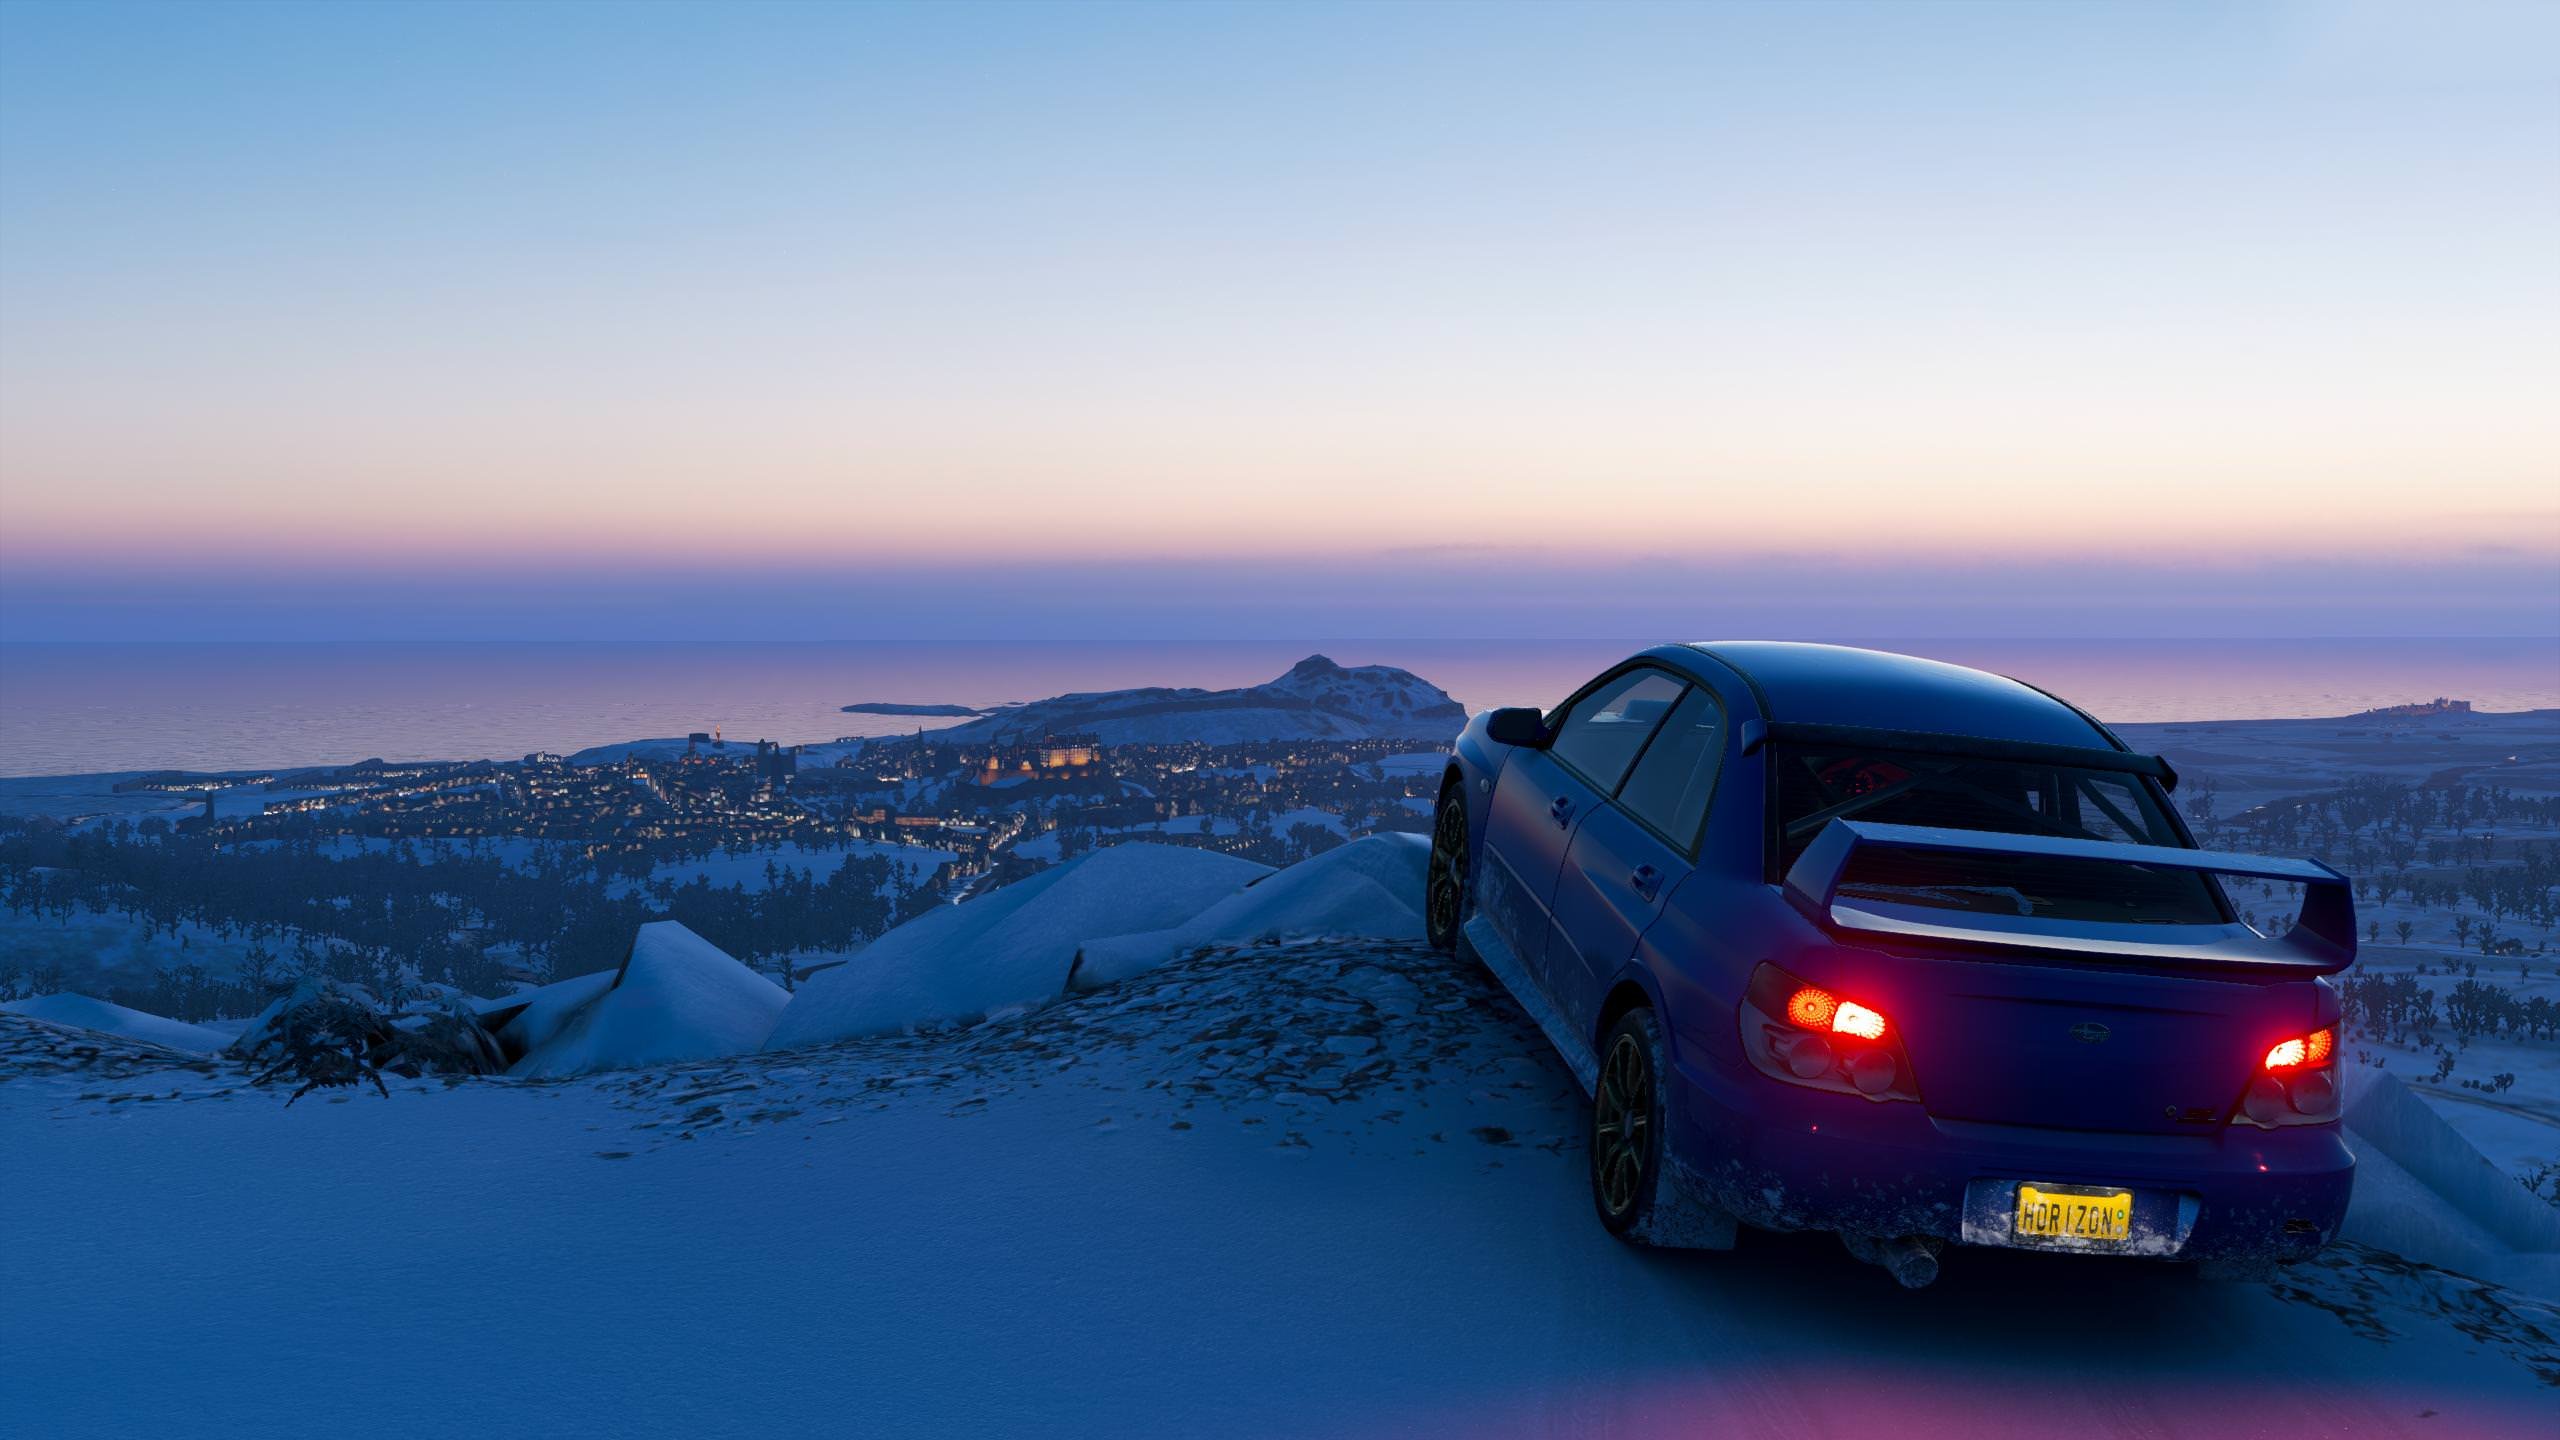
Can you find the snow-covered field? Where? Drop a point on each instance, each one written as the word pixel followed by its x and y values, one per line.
pixel 1298 1190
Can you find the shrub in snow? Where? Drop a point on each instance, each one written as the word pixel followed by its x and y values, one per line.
pixel 1010 949
pixel 328 1035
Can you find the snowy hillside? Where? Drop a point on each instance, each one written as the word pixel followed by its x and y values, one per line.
pixel 1316 700
pixel 1288 1191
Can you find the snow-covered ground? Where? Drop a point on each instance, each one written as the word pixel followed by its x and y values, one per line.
pixel 1298 1190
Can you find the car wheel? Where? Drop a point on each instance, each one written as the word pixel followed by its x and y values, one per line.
pixel 1626 1126
pixel 1444 899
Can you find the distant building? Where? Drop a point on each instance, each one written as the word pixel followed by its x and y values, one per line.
pixel 775 762
pixel 1049 756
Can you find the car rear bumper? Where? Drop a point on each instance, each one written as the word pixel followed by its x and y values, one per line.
pixel 1786 1158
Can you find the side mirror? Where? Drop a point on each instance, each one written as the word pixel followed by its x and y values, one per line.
pixel 1517 726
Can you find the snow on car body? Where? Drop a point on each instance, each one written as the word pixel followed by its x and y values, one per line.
pixel 1853 941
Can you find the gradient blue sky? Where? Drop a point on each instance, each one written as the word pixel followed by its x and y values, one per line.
pixel 600 321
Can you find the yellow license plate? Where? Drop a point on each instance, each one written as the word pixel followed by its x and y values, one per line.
pixel 2075 1212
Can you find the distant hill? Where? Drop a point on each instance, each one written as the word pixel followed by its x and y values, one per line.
pixel 2416 710
pixel 888 707
pixel 1316 700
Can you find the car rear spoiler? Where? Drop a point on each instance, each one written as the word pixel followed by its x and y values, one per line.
pixel 2323 938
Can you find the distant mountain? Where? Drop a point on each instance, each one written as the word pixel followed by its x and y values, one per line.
pixel 888 707
pixel 1316 700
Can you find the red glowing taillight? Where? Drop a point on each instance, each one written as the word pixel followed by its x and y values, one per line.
pixel 2311 1049
pixel 2298 1084
pixel 1810 1008
pixel 1855 1019
pixel 1806 1035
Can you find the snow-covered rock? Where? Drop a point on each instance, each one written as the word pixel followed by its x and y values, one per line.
pixel 529 1019
pixel 2424 1192
pixel 677 997
pixel 1371 888
pixel 1316 700
pixel 84 1013
pixel 1012 948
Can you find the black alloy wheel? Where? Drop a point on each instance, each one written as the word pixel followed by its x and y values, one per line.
pixel 1626 1123
pixel 1444 899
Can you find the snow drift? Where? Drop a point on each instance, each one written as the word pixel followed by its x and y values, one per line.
pixel 677 997
pixel 1012 948
pixel 2424 1192
pixel 84 1013
pixel 1371 888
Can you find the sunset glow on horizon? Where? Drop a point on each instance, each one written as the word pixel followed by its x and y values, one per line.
pixel 289 292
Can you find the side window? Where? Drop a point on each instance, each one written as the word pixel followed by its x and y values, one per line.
pixel 1671 783
pixel 1602 732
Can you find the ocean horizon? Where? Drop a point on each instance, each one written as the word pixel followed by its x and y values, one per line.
pixel 89 707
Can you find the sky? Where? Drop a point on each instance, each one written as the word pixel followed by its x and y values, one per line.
pixel 673 321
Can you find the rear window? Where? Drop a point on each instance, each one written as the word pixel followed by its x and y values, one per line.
pixel 1817 786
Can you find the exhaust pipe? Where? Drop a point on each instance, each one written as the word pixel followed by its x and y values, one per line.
pixel 1910 1259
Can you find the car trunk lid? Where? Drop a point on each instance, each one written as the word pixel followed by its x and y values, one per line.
pixel 2059 1046
pixel 2018 1016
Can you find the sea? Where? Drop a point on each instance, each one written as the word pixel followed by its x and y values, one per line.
pixel 88 708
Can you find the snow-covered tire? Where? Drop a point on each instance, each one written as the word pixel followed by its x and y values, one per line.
pixel 1444 885
pixel 1637 1186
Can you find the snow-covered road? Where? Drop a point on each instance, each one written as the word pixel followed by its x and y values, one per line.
pixel 1293 1191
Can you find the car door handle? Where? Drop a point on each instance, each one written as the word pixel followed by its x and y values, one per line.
pixel 1562 810
pixel 1647 880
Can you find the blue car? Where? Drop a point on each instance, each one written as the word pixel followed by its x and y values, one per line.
pixel 1850 941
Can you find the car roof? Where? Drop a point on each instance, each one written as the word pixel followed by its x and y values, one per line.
pixel 1810 684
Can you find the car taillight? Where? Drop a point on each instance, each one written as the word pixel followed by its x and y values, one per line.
pixel 1812 1008
pixel 1806 1035
pixel 2311 1049
pixel 2297 1084
pixel 1857 1020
